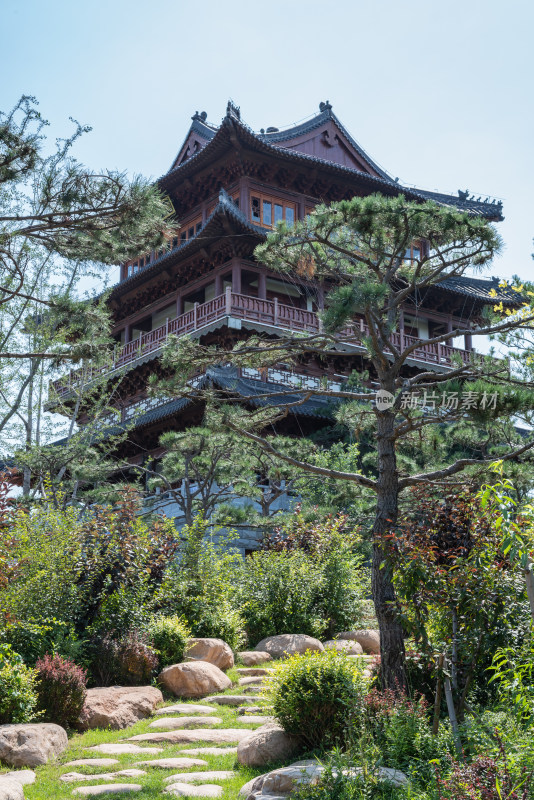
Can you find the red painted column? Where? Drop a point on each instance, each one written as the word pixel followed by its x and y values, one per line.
pixel 236 278
pixel 218 284
pixel 262 286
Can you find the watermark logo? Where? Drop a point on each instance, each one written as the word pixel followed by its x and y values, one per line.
pixel 435 401
pixel 384 400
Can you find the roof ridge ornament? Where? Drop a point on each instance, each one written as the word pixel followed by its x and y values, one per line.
pixel 224 197
pixel 325 106
pixel 202 116
pixel 232 110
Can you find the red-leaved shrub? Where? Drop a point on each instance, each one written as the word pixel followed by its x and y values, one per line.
pixel 60 689
pixel 136 660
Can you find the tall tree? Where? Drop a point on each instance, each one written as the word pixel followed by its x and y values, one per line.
pixel 358 247
pixel 60 224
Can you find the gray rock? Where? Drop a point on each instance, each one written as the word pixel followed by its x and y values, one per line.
pixel 254 671
pixel 368 639
pixel 216 651
pixel 266 744
pixel 31 744
pixel 251 658
pixel 195 777
pixel 76 777
pixel 233 700
pixel 251 681
pixel 216 735
pixel 194 679
pixel 23 776
pixel 185 790
pixel 92 762
pixel 174 723
pixel 346 646
pixel 184 708
pixel 173 763
pixel 10 789
pixel 118 707
pixel 288 644
pixel 118 748
pixel 281 782
pixel 107 788
pixel 211 751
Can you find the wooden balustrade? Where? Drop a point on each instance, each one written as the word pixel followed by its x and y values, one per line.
pixel 252 309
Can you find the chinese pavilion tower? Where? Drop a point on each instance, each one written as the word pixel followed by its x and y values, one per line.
pixel 229 186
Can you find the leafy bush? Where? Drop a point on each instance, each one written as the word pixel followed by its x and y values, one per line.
pixel 169 637
pixel 18 697
pixel 313 694
pixel 308 580
pixel 60 689
pixel 200 587
pixel 46 547
pixel 32 639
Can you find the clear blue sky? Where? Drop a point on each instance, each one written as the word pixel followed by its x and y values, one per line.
pixel 439 93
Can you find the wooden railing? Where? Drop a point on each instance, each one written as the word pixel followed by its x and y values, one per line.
pixel 251 309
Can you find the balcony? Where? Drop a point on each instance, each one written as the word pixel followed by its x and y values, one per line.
pixel 234 309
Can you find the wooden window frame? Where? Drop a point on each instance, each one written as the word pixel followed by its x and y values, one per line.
pixel 273 200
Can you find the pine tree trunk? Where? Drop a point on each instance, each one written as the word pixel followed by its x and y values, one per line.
pixel 391 632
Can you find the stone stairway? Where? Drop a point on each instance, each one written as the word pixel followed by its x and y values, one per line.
pixel 176 726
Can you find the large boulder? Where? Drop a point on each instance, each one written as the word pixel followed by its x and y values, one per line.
pixel 265 745
pixel 368 639
pixel 346 646
pixel 118 707
pixel 194 679
pixel 281 782
pixel 251 658
pixel 31 744
pixel 213 650
pixel 287 644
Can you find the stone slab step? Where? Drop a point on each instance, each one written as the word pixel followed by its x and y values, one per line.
pixel 174 763
pixel 118 748
pixel 232 700
pixel 107 788
pixel 184 708
pixel 221 735
pixel 244 710
pixel 92 762
pixel 253 671
pixel 250 681
pixel 211 751
pixel 185 790
pixel 195 777
pixel 258 719
pixel 173 723
pixel 74 777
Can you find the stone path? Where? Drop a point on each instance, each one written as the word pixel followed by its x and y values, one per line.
pixel 176 726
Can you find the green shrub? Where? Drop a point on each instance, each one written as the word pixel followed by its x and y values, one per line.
pixel 277 592
pixel 220 621
pixel 32 639
pixel 18 697
pixel 60 689
pixel 200 585
pixel 313 695
pixel 401 730
pixel 169 637
pixel 309 579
